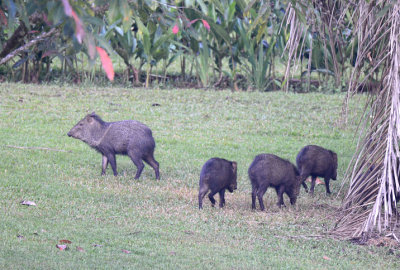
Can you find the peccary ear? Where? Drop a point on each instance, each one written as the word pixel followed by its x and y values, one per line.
pixel 234 166
pixel 89 117
pixel 335 160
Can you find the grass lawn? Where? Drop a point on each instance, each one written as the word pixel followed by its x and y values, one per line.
pixel 121 223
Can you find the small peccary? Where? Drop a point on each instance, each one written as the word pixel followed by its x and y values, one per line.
pixel 127 137
pixel 268 170
pixel 217 175
pixel 318 162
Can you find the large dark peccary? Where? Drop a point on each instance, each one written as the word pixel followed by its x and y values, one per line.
pixel 268 170
pixel 128 137
pixel 318 162
pixel 216 176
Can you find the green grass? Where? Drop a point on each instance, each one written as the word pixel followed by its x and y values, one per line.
pixel 159 221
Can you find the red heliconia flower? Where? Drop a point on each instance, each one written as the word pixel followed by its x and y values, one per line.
pixel 106 63
pixel 193 21
pixel 175 29
pixel 206 25
pixel 79 31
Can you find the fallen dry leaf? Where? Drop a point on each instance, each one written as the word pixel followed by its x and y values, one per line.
pixel 29 203
pixel 80 249
pixel 65 241
pixel 317 181
pixel 62 247
pixel 136 232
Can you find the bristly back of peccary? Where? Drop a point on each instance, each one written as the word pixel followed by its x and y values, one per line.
pixel 268 170
pixel 128 137
pixel 318 162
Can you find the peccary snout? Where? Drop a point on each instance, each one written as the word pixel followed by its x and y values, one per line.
pixel 216 176
pixel 268 170
pixel 233 186
pixel 128 137
pixel 318 162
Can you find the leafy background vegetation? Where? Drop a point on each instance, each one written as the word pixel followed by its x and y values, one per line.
pixel 234 44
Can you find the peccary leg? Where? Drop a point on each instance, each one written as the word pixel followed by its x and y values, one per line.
pixel 253 198
pixel 292 197
pixel 303 182
pixel 279 192
pixel 211 197
pixel 305 186
pixel 104 165
pixel 138 163
pixel 260 193
pixel 113 162
pixel 313 179
pixel 202 193
pixel 293 200
pixel 222 198
pixel 154 164
pixel 328 191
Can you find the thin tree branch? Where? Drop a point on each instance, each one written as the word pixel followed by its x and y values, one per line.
pixel 37 39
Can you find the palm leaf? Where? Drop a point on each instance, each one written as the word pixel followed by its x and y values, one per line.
pixel 370 203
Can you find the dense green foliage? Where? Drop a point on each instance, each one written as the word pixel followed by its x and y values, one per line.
pixel 159 221
pixel 225 43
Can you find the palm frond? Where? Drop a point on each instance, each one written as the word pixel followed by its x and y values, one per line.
pixel 370 202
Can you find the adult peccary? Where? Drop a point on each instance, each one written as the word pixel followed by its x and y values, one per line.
pixel 128 137
pixel 318 162
pixel 217 175
pixel 268 170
